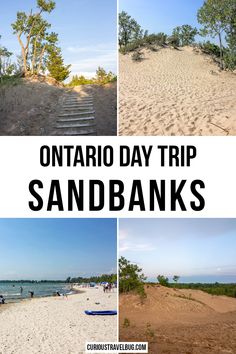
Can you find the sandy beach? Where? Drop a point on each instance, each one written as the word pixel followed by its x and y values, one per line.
pixel 176 92
pixel 178 321
pixel 57 324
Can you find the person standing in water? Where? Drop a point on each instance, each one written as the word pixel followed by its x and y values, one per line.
pixel 31 294
pixel 21 290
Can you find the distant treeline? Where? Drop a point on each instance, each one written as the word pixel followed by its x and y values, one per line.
pixel 217 19
pixel 102 77
pixel 109 278
pixel 31 281
pixel 213 289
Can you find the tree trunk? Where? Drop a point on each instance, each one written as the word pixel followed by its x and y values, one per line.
pixel 23 53
pixel 221 53
pixel 41 60
pixel 34 56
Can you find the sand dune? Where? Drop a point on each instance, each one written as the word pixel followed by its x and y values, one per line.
pixel 176 92
pixel 56 325
pixel 182 321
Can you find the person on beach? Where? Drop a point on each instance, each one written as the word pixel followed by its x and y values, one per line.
pixel 31 294
pixel 2 300
pixel 21 290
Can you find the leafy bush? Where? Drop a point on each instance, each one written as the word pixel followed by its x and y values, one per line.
pixel 102 77
pixel 210 48
pixel 162 280
pixel 156 38
pixel 173 41
pixel 126 323
pixel 131 277
pixel 137 56
pixel 230 60
pixel 214 289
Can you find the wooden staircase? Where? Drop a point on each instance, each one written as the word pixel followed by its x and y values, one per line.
pixel 77 116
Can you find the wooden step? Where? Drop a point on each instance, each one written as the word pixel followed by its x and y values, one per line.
pixel 74 125
pixel 77 101
pixel 67 105
pixel 75 119
pixel 75 133
pixel 75 114
pixel 74 108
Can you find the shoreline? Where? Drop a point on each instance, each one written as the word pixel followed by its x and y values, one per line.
pixel 57 324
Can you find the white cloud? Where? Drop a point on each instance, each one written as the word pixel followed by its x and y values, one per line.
pixel 98 48
pixel 86 59
pixel 136 247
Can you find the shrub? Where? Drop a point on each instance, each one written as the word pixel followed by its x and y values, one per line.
pixel 130 276
pixel 149 331
pixel 173 41
pixel 137 56
pixel 210 48
pixel 162 280
pixel 126 323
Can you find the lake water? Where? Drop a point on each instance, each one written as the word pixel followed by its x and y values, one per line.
pixel 12 292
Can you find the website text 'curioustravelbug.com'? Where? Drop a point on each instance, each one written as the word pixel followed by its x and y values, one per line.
pixel 117 347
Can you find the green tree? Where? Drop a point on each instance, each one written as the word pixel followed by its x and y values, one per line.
pixel 29 29
pixel 176 278
pixel 55 65
pixel 185 34
pixel 214 16
pixel 6 66
pixel 230 55
pixel 162 280
pixel 129 29
pixel 131 276
pixel 102 77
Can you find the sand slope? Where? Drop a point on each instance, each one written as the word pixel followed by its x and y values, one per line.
pixel 183 321
pixel 105 105
pixel 33 107
pixel 176 92
pixel 56 325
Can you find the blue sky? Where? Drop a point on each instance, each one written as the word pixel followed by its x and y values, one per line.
pixel 56 248
pixel 87 31
pixel 194 249
pixel 162 16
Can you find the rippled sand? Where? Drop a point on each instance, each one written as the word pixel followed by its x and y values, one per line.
pixel 176 92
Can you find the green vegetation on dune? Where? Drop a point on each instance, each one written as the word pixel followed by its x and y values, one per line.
pixel 102 77
pixel 131 278
pixel 213 289
pixel 217 18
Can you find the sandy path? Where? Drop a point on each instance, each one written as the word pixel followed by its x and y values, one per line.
pixel 180 321
pixel 176 92
pixel 57 325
